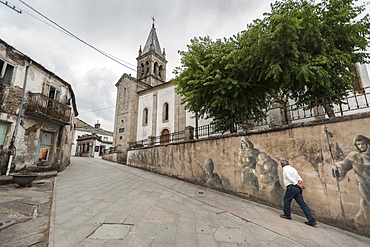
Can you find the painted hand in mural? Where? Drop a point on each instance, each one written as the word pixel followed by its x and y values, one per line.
pixel 337 171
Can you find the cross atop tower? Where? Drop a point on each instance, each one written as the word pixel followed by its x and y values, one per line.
pixel 153 19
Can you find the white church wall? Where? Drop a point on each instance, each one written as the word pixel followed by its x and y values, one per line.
pixel 166 95
pixel 144 131
pixel 364 74
pixel 190 120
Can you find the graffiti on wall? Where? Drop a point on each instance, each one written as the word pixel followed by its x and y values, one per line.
pixel 259 172
pixel 359 161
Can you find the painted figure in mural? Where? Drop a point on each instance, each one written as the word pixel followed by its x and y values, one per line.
pixel 268 178
pixel 266 171
pixel 212 179
pixel 247 163
pixel 359 161
pixel 294 187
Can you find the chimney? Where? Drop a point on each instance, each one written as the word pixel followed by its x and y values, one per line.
pixel 97 125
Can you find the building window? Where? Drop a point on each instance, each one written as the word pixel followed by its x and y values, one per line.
pixel 120 137
pixel 155 68
pixel 6 72
pixel 147 67
pixel 121 130
pixel 160 71
pixel 145 117
pixel 165 136
pixel 165 112
pixel 51 92
pixel 142 70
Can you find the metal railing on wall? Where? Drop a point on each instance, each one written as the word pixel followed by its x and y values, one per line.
pixel 277 115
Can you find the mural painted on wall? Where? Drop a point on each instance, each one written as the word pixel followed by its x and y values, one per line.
pixel 259 172
pixel 359 161
pixel 210 178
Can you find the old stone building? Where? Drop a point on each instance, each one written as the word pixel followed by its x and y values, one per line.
pixel 37 109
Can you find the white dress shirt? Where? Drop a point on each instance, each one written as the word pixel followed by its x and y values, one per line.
pixel 290 175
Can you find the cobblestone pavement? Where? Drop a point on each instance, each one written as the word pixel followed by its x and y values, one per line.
pixel 100 203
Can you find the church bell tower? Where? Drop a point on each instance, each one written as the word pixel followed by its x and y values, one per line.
pixel 151 62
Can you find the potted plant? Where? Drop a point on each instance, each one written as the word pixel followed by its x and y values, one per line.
pixel 24 178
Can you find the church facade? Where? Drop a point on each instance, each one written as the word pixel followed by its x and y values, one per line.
pixel 148 106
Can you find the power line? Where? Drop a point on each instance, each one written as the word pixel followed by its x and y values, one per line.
pixel 65 31
pixel 74 36
pixel 96 110
pixel 16 9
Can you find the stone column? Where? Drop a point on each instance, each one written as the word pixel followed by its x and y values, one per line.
pixel 189 133
pixel 151 140
pixel 277 114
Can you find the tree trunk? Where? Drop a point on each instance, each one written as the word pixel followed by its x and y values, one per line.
pixel 328 109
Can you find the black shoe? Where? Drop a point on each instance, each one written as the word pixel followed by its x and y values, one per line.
pixel 310 223
pixel 285 217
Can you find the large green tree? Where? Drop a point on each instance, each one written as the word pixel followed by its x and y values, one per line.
pixel 300 50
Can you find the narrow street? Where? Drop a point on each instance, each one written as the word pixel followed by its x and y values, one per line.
pixel 100 203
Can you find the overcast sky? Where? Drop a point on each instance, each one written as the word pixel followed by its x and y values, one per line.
pixel 117 27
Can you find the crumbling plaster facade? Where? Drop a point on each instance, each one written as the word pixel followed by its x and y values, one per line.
pixel 26 132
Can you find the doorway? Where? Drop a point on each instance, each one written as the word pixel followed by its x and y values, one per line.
pixel 165 136
pixel 44 146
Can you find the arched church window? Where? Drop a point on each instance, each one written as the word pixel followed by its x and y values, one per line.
pixel 147 67
pixel 142 69
pixel 165 112
pixel 155 68
pixel 145 117
pixel 160 71
pixel 165 136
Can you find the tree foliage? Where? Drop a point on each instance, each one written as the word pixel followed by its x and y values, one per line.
pixel 301 50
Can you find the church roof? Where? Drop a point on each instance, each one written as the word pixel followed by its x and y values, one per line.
pixel 153 39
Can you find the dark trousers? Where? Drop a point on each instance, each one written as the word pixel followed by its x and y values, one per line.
pixel 295 192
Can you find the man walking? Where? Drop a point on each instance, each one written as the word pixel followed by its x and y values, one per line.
pixel 294 186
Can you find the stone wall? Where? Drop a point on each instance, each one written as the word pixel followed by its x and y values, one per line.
pixel 248 165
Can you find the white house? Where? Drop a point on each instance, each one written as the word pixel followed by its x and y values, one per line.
pixel 90 141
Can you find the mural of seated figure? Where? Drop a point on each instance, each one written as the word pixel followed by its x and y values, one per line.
pixel 210 178
pixel 267 175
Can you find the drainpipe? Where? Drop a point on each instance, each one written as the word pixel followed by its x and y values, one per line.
pixel 12 147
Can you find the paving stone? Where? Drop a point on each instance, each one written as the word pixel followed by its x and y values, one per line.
pixel 185 242
pixel 227 234
pixel 165 235
pixel 111 231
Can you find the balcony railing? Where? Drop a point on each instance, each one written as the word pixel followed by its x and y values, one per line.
pixel 41 106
